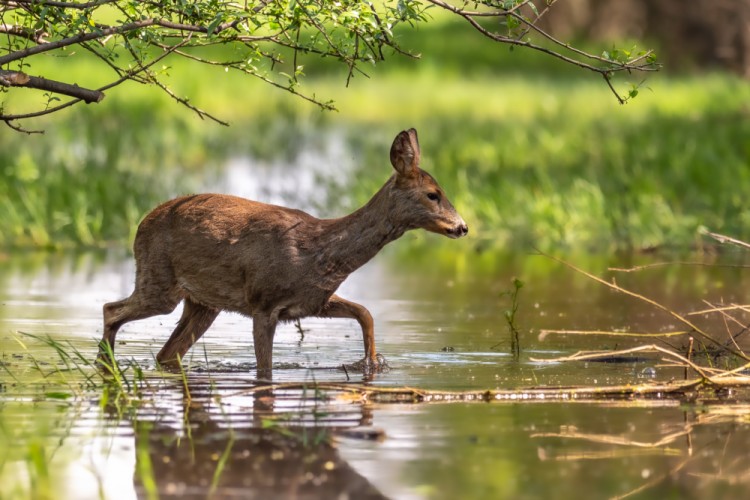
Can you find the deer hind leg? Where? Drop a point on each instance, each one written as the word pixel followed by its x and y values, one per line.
pixel 124 311
pixel 153 295
pixel 195 320
pixel 338 307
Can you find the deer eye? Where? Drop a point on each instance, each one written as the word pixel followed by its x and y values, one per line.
pixel 433 197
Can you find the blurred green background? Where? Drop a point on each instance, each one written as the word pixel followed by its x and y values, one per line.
pixel 533 152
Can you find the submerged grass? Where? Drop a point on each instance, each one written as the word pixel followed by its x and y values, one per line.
pixel 530 152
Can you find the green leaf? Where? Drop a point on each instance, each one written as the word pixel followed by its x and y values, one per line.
pixel 214 23
pixel 57 395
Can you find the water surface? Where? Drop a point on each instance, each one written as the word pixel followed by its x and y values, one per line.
pixel 440 324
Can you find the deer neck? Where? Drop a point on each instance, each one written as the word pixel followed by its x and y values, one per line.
pixel 351 241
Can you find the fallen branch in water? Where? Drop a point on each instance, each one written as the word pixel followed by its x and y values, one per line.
pixel 671 392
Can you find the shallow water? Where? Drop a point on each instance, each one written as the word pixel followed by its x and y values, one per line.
pixel 439 323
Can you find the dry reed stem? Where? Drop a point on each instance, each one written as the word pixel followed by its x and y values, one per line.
pixel 682 319
pixel 586 355
pixel 717 377
pixel 609 454
pixel 543 333
pixel 723 312
pixel 733 307
pixel 725 317
pixel 672 263
pixel 617 440
pixel 727 239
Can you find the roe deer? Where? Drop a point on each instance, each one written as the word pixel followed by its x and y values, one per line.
pixel 218 252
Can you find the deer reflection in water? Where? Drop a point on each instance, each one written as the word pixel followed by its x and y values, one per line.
pixel 278 446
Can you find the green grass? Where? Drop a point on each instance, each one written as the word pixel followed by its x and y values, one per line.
pixel 531 153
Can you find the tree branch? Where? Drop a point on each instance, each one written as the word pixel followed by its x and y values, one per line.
pixel 73 40
pixel 63 5
pixel 18 79
pixel 197 29
pixel 353 33
pixel 124 77
pixel 23 32
pixel 13 78
pixel 640 63
pixel 22 130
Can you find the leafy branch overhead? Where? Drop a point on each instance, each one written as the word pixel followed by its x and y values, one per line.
pixel 264 39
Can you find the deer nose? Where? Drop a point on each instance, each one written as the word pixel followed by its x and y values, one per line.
pixel 459 230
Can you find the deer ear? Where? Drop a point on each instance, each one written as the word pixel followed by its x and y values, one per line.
pixel 405 153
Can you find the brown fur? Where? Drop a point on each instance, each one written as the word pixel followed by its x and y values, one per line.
pixel 224 253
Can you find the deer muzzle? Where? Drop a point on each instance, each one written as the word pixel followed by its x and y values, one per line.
pixel 458 230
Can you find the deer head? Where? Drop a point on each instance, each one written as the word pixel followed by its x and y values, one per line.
pixel 419 200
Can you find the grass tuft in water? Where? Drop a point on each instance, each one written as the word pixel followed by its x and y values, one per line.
pixel 510 318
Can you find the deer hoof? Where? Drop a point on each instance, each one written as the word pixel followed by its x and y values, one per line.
pixel 369 366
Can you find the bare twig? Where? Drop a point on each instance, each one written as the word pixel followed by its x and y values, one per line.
pixel 732 307
pixel 727 239
pixel 186 102
pixel 18 128
pixel 616 440
pixel 606 68
pixel 682 319
pixel 587 355
pixel 674 263
pixel 543 333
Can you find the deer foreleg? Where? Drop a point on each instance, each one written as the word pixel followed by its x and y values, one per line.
pixel 264 328
pixel 338 307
